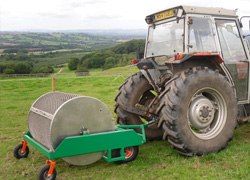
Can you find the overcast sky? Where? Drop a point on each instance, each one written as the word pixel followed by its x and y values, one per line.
pixel 94 14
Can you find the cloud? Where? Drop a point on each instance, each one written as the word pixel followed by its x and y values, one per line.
pixel 55 14
pixel 80 14
pixel 77 4
pixel 102 17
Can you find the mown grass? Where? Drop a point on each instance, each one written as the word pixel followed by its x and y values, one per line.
pixel 156 159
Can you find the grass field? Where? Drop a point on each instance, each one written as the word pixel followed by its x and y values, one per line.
pixel 156 160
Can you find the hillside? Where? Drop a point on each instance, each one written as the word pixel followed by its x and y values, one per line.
pixel 115 56
pixel 118 55
pixel 14 42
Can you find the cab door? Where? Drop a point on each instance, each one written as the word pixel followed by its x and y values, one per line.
pixel 234 55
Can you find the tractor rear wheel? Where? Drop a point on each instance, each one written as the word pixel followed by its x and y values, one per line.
pixel 135 90
pixel 199 112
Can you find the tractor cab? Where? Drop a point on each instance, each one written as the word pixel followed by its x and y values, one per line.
pixel 186 32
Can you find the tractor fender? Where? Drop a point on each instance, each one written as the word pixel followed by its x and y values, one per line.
pixel 211 60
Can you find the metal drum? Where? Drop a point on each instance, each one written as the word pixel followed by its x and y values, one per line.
pixel 56 115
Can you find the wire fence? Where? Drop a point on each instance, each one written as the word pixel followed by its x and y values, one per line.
pixel 76 74
pixel 25 75
pixel 16 95
pixel 23 90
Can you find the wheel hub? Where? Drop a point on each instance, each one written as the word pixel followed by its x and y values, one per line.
pixel 201 113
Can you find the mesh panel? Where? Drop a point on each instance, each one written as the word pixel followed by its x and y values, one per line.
pixel 50 102
pixel 39 126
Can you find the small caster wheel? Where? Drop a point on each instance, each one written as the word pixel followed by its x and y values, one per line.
pixel 130 154
pixel 17 151
pixel 42 173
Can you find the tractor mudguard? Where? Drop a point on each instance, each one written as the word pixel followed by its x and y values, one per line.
pixel 145 62
pixel 215 56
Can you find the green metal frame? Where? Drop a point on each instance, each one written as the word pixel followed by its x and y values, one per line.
pixel 122 137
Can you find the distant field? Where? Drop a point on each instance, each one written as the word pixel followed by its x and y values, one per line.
pixel 156 160
pixel 59 58
pixel 52 41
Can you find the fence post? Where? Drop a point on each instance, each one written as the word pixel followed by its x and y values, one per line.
pixel 53 84
pixel 20 83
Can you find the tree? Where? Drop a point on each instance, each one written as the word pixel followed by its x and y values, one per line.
pixel 43 69
pixel 50 69
pixel 81 68
pixel 73 63
pixel 2 67
pixel 8 71
pixel 22 68
pixel 13 50
pixel 110 62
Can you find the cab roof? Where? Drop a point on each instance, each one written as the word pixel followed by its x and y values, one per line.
pixel 203 10
pixel 209 11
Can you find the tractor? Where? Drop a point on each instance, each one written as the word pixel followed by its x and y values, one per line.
pixel 194 80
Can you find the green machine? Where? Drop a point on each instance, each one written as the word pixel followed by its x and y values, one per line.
pixel 78 129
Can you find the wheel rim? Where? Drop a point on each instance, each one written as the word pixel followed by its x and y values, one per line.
pixel 20 152
pixel 129 153
pixel 207 113
pixel 45 175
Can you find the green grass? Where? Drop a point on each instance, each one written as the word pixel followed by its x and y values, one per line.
pixel 156 159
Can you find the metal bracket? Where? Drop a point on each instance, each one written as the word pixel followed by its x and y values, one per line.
pixel 145 108
pixel 52 167
pixel 42 113
pixel 134 110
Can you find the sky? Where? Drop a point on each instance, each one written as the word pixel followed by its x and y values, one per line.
pixel 94 14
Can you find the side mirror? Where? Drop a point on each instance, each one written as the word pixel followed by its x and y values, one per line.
pixel 248 21
pixel 139 55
